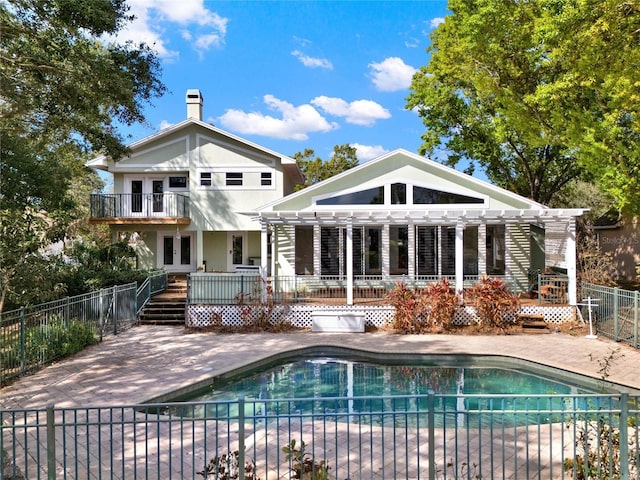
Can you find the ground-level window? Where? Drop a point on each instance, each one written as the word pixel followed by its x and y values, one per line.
pixel 495 249
pixel 470 250
pixel 427 248
pixel 398 249
pixel 304 250
pixel 330 251
pixel 367 255
pixel 372 250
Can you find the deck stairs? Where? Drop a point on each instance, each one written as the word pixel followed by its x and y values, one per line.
pixel 168 307
pixel 533 323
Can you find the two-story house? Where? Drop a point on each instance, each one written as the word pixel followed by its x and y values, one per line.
pixel 200 198
pixel 183 190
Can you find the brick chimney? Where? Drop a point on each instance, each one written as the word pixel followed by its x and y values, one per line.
pixel 194 104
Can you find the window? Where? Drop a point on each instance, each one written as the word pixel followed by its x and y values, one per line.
pixel 329 251
pixel 205 179
pixel 304 250
pixel 372 196
pixel 495 249
pixel 398 250
pixel 178 182
pixel 265 179
pixel 398 194
pixel 427 196
pixel 234 179
pixel 427 250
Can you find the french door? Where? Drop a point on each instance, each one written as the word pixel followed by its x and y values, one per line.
pixel 237 247
pixel 176 252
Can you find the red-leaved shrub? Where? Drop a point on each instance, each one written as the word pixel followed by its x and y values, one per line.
pixel 495 305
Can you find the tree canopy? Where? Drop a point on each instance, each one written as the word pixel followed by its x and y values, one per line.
pixel 528 91
pixel 315 169
pixel 61 79
pixel 64 88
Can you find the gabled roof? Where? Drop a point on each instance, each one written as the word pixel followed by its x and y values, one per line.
pixel 499 205
pixel 402 155
pixel 101 162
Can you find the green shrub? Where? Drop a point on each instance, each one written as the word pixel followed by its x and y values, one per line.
pixel 57 339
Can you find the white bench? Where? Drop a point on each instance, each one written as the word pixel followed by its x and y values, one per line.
pixel 337 321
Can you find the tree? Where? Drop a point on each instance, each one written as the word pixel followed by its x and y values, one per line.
pixel 594 103
pixel 61 80
pixel 474 97
pixel 537 93
pixel 62 88
pixel 314 169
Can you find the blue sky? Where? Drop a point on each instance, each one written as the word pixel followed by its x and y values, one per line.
pixel 291 75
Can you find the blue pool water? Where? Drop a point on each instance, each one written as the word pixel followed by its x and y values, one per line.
pixel 334 377
pixel 334 385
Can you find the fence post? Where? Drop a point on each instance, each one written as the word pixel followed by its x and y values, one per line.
pixel 635 319
pixel 67 314
pixel 241 445
pixel 431 403
pixel 23 348
pixel 114 313
pixel 51 442
pixel 616 301
pixel 624 435
pixel 101 309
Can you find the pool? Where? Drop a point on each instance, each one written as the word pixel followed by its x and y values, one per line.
pixel 325 377
pixel 342 382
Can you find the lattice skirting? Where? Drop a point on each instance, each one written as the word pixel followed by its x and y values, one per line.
pixel 199 316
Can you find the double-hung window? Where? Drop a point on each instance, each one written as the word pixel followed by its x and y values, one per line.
pixel 265 179
pixel 234 179
pixel 205 179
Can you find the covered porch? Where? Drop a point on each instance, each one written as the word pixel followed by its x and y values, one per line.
pixel 359 256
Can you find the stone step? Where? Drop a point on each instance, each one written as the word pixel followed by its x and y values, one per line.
pixel 533 323
pixel 162 316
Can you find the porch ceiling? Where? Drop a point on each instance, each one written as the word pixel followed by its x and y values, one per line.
pixel 422 217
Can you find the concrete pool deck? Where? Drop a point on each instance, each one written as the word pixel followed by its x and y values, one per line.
pixel 147 362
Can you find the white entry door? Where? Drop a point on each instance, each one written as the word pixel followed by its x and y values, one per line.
pixel 236 247
pixel 176 252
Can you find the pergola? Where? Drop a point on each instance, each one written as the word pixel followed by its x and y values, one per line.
pixel 561 220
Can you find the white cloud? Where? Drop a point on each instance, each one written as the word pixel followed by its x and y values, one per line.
pixel 368 152
pixel 392 74
pixel 359 112
pixel 434 22
pixel 202 27
pixel 412 43
pixel 165 124
pixel 294 122
pixel 312 62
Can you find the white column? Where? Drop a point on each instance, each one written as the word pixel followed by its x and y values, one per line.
pixel 482 249
pixel 317 250
pixel 199 249
pixel 459 256
pixel 385 250
pixel 350 263
pixel 439 250
pixel 264 260
pixel 411 250
pixel 570 260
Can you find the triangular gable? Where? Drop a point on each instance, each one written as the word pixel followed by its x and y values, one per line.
pixel 173 133
pixel 403 167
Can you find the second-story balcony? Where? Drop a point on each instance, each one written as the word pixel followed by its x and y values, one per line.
pixel 152 208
